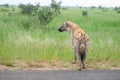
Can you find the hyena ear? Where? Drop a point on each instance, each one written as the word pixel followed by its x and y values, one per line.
pixel 66 23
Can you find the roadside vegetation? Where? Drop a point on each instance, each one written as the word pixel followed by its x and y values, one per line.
pixel 32 36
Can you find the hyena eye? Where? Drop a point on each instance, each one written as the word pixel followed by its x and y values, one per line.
pixel 61 26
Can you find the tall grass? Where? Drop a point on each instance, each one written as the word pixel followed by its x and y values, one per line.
pixel 45 43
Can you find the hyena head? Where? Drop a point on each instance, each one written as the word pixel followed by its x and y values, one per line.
pixel 64 27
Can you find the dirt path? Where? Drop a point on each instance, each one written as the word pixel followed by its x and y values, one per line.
pixel 58 65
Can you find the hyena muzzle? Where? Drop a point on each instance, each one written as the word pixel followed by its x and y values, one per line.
pixel 80 41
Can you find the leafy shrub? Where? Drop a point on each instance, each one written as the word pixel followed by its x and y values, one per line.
pixel 84 13
pixel 27 9
pixel 4 10
pixel 26 24
pixel 93 7
pixel 45 15
pixel 64 8
pixel 5 5
pixel 117 8
pixel 56 6
pixel 11 11
pixel 118 11
pixel 100 7
pixel 104 10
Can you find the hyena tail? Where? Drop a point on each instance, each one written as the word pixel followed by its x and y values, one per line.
pixel 82 52
pixel 82 56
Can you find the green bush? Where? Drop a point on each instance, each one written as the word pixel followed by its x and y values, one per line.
pixel 5 5
pixel 4 10
pixel 118 11
pixel 27 9
pixel 84 13
pixel 12 11
pixel 42 17
pixel 56 6
pixel 45 15
pixel 26 24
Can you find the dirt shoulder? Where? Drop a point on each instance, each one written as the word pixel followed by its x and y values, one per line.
pixel 59 65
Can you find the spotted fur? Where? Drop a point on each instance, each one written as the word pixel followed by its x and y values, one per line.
pixel 80 41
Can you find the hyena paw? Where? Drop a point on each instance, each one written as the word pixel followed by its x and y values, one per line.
pixel 79 69
pixel 73 62
pixel 84 67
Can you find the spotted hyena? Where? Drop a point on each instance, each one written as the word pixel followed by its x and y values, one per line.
pixel 80 41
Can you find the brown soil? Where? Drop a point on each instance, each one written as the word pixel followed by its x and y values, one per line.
pixel 58 65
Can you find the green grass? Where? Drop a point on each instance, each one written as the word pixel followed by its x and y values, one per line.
pixel 45 43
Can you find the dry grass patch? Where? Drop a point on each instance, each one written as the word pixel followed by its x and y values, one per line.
pixel 60 65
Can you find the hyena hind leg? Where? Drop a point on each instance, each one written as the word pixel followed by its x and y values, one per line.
pixel 83 56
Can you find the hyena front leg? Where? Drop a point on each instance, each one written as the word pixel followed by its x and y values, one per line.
pixel 75 56
pixel 80 62
pixel 79 55
pixel 74 50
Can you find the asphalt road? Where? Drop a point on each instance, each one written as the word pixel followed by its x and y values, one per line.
pixel 60 75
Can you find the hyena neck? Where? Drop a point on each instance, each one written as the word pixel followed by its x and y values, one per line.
pixel 72 27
